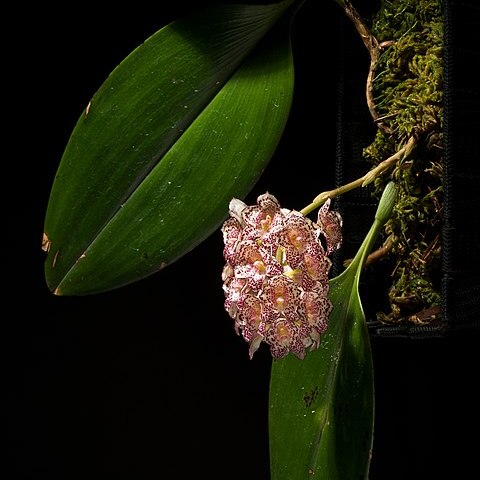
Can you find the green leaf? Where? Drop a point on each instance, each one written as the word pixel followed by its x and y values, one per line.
pixel 322 407
pixel 186 122
pixel 321 413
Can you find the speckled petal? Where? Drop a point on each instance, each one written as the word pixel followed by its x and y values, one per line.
pixel 253 274
pixel 282 294
pixel 262 216
pixel 247 253
pixel 232 234
pixel 250 317
pixel 330 223
pixel 316 265
pixel 279 337
pixel 235 292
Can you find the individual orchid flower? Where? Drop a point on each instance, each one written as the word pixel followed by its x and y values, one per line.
pixel 276 274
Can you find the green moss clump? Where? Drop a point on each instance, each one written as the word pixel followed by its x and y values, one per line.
pixel 408 92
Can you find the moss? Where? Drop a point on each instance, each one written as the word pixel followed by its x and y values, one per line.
pixel 408 97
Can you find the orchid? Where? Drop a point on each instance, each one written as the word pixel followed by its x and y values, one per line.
pixel 190 119
pixel 276 274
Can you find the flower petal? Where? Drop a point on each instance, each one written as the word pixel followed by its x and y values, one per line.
pixel 330 223
pixel 235 208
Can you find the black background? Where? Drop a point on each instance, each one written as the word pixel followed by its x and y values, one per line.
pixel 150 381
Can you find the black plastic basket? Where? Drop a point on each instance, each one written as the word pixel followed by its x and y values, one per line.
pixel 460 281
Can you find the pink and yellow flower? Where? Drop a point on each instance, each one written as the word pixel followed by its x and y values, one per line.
pixel 276 274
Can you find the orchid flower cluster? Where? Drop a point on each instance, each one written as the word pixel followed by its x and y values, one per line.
pixel 276 274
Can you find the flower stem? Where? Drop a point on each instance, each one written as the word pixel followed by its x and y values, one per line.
pixel 324 196
pixel 369 177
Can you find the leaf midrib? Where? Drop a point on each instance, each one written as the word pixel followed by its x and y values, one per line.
pixel 332 374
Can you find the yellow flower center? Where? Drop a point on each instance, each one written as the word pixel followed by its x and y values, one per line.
pixel 284 336
pixel 266 223
pixel 279 296
pixel 295 237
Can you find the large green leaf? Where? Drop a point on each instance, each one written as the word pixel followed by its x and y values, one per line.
pixel 322 407
pixel 186 122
